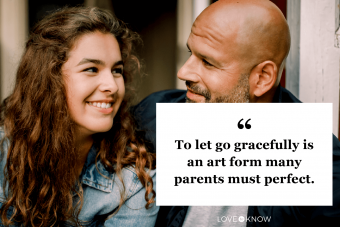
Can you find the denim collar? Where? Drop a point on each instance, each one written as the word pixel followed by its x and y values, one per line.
pixel 99 178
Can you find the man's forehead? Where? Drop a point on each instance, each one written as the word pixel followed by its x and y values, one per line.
pixel 210 40
pixel 207 34
pixel 216 24
pixel 221 26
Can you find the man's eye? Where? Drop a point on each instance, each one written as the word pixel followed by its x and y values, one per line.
pixel 207 63
pixel 117 71
pixel 91 70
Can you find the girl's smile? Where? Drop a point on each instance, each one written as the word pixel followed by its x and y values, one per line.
pixel 94 80
pixel 103 107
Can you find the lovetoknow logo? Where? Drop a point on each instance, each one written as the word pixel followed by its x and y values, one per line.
pixel 243 219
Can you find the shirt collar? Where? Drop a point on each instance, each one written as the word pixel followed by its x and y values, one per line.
pixel 278 95
pixel 96 176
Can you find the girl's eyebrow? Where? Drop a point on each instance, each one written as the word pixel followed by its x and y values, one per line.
pixel 98 62
pixel 118 63
pixel 89 60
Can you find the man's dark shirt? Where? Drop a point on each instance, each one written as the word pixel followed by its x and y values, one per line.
pixel 174 216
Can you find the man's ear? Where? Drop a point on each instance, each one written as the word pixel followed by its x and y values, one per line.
pixel 262 78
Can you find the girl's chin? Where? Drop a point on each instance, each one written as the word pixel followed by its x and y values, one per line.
pixel 93 129
pixel 101 129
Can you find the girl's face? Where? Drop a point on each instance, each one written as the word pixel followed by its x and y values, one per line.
pixel 94 81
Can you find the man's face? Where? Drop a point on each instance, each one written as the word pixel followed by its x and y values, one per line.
pixel 213 73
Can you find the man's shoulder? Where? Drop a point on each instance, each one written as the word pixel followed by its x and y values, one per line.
pixel 145 111
pixel 166 96
pixel 282 95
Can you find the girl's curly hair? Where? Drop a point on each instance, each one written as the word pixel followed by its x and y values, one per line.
pixel 37 122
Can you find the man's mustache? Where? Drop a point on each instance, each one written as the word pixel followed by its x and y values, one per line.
pixel 196 89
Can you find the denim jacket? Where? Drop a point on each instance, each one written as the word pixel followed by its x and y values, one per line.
pixel 102 195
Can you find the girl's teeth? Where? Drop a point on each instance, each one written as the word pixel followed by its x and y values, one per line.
pixel 100 105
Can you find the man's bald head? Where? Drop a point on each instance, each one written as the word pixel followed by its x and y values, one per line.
pixel 257 28
pixel 235 38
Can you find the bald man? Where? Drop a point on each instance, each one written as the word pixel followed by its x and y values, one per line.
pixel 238 52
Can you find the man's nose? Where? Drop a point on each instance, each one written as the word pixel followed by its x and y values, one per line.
pixel 108 83
pixel 189 71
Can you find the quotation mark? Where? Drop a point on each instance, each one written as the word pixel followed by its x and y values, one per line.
pixel 240 126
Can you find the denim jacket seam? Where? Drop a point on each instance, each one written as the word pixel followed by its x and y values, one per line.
pixel 92 182
pixel 133 187
pixel 131 169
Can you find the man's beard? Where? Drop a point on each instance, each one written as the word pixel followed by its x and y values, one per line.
pixel 238 94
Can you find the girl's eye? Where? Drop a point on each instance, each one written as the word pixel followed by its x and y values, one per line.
pixel 91 70
pixel 117 71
